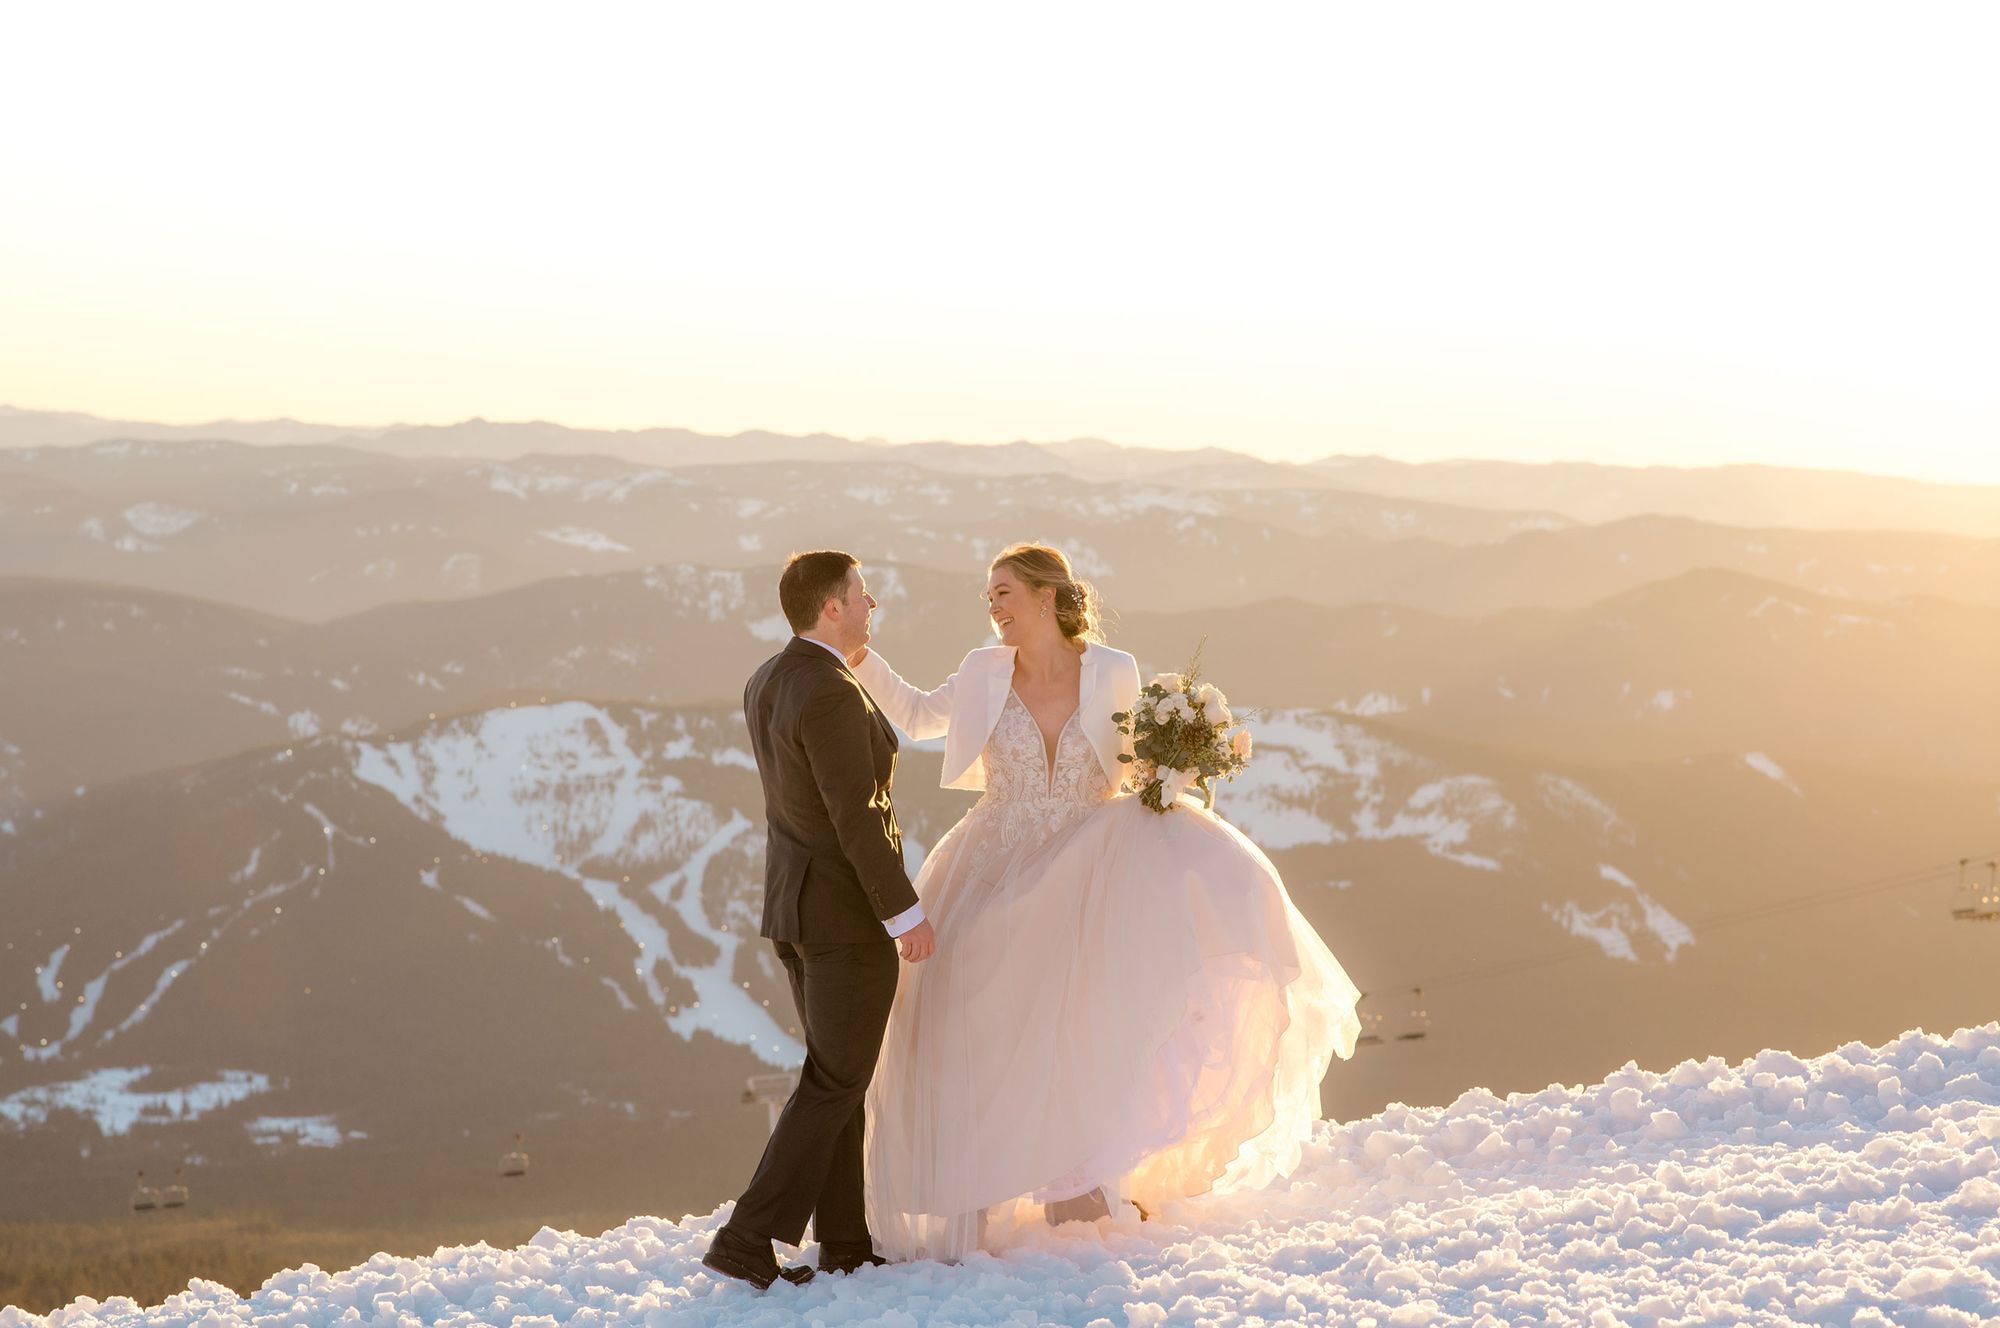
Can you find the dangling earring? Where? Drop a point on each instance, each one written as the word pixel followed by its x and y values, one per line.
pixel 1045 610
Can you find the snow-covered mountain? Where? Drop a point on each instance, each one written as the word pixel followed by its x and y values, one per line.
pixel 99 682
pixel 317 531
pixel 302 743
pixel 1860 1186
pixel 314 532
pixel 1703 662
pixel 555 905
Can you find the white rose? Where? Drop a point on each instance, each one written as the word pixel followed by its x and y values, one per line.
pixel 1214 705
pixel 1239 744
pixel 1170 681
pixel 1177 704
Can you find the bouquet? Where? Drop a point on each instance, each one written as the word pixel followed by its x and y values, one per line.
pixel 1181 738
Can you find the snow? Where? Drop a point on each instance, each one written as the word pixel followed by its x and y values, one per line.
pixel 1304 760
pixel 50 973
pixel 1771 770
pixel 1670 930
pixel 305 1131
pixel 1666 699
pixel 520 481
pixel 1442 814
pixel 1856 1188
pixel 145 1007
pixel 717 594
pixel 107 1097
pixel 1573 802
pixel 565 785
pixel 1769 600
pixel 1603 925
pixel 159 520
pixel 594 541
pixel 774 628
pixel 1374 703
pixel 248 869
pixel 83 1010
pixel 1612 925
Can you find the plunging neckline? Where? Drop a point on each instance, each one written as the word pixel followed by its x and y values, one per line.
pixel 1050 755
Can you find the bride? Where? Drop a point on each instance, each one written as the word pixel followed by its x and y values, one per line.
pixel 1123 1005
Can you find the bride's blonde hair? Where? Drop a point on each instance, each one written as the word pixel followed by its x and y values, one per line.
pixel 1040 566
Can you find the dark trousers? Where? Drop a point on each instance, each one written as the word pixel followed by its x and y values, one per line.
pixel 811 1167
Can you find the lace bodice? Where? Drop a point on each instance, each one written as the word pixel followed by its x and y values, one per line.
pixel 1022 792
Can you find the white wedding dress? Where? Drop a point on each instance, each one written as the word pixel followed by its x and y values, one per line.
pixel 1119 999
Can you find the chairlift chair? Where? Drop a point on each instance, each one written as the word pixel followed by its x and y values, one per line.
pixel 1966 899
pixel 1371 1023
pixel 1989 899
pixel 176 1194
pixel 773 1090
pixel 516 1162
pixel 144 1197
pixel 1417 1023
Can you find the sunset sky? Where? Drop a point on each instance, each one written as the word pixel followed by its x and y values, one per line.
pixel 1689 234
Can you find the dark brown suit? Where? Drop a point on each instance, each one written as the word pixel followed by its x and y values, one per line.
pixel 833 875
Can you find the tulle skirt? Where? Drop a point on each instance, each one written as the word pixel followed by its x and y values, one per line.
pixel 1131 1002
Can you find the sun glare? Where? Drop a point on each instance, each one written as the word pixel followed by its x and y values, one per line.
pixel 1688 236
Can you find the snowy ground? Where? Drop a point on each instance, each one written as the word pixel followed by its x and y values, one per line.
pixel 1858 1188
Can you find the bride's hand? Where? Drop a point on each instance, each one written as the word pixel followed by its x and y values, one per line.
pixel 860 653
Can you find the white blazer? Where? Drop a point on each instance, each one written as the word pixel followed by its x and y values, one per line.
pixel 966 706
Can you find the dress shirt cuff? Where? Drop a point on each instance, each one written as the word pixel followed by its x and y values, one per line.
pixel 905 920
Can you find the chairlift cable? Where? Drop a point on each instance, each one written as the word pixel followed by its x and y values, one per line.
pixel 1756 912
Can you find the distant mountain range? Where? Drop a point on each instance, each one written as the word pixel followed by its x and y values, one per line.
pixel 1753 496
pixel 365 798
pixel 315 532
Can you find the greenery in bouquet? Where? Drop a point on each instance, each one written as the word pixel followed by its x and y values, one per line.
pixel 1181 738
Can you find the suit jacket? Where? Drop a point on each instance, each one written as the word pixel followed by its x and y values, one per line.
pixel 966 706
pixel 833 861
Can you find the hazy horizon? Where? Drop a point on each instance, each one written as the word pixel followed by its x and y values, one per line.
pixel 1559 231
pixel 242 420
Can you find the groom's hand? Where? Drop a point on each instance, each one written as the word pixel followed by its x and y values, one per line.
pixel 918 943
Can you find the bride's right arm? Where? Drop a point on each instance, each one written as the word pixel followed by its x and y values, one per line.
pixel 916 712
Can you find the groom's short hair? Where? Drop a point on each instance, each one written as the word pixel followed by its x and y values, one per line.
pixel 809 581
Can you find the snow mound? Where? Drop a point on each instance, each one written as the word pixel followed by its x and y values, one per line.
pixel 1859 1187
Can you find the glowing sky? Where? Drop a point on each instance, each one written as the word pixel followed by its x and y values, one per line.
pixel 1685 234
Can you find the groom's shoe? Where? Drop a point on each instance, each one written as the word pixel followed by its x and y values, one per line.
pixel 750 1261
pixel 847 1256
pixel 1084 1208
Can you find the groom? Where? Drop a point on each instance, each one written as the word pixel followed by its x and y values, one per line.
pixel 838 907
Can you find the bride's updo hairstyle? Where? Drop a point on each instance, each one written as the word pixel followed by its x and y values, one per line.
pixel 1041 567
